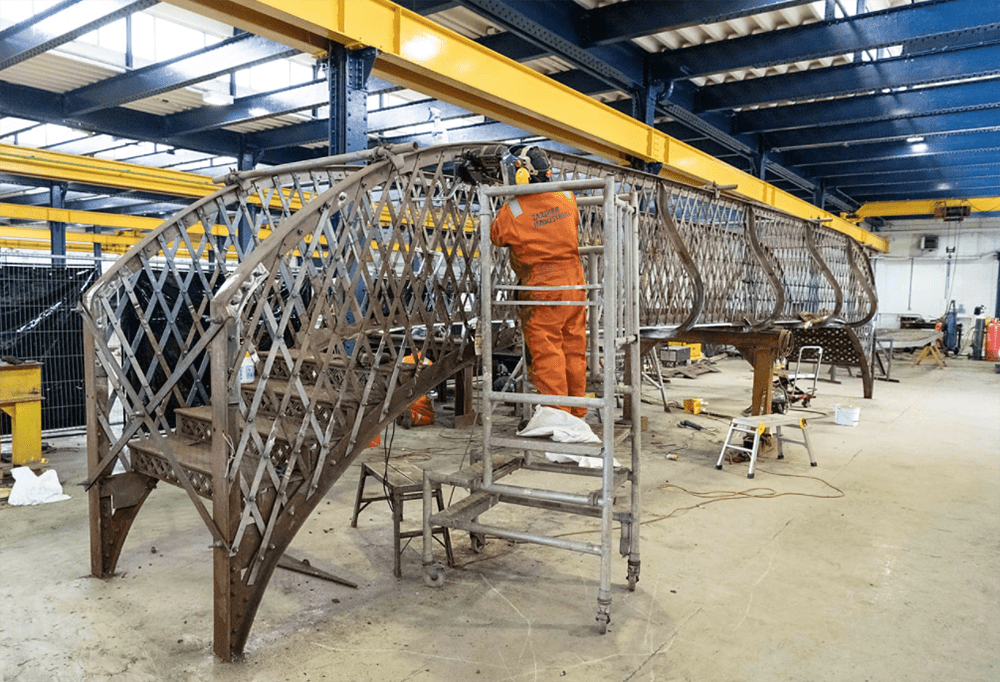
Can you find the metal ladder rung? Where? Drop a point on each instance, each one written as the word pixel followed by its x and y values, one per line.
pixel 473 474
pixel 544 445
pixel 583 449
pixel 465 509
pixel 496 531
pixel 620 515
pixel 620 327
pixel 573 469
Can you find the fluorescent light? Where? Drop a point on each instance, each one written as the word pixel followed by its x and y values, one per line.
pixel 219 99
pixel 915 138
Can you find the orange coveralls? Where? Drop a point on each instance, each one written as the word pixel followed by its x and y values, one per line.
pixel 542 233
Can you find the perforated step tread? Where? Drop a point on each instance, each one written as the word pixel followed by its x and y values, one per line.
pixel 279 387
pixel 465 509
pixel 502 466
pixel 195 457
pixel 287 429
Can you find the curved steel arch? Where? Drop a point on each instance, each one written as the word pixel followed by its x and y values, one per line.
pixel 332 279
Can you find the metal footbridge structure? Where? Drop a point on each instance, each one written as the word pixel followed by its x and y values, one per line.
pixel 250 347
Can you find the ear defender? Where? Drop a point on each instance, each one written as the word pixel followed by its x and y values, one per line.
pixel 522 176
pixel 534 162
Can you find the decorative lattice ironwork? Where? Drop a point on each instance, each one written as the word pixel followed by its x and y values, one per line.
pixel 354 288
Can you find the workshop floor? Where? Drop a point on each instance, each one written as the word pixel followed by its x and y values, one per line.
pixel 898 579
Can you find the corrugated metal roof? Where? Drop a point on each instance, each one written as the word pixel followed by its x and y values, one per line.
pixel 79 63
pixel 269 123
pixel 55 72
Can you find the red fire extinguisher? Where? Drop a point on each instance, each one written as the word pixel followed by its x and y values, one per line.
pixel 993 340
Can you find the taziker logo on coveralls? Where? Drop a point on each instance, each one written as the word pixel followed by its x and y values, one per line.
pixel 548 216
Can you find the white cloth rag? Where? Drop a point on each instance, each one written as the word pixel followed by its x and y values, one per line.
pixel 30 489
pixel 562 427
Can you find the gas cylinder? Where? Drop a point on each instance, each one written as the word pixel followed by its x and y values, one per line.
pixel 993 340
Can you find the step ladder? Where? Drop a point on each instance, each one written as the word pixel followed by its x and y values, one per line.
pixel 613 329
pixel 745 426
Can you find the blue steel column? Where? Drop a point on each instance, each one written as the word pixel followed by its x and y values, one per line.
pixel 762 153
pixel 819 194
pixel 129 57
pixel 347 76
pixel 644 103
pixel 244 229
pixel 996 310
pixel 57 231
pixel 98 251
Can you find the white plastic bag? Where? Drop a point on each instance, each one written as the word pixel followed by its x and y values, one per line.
pixel 30 489
pixel 562 427
pixel 581 460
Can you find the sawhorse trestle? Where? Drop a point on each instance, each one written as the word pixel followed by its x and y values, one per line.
pixel 745 426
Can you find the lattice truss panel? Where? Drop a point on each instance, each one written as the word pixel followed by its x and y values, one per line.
pixel 349 309
pixel 149 314
pixel 354 289
pixel 809 288
pixel 857 281
pixel 866 337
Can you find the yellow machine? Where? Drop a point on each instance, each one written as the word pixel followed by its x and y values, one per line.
pixel 695 348
pixel 21 399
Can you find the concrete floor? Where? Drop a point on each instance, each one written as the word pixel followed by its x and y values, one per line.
pixel 899 579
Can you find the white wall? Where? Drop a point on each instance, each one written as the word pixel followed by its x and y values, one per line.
pixel 912 281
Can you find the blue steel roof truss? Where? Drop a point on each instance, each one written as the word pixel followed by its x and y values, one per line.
pixel 923 124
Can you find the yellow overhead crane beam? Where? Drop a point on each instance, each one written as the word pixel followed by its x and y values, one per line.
pixel 417 53
pixel 63 215
pixel 33 238
pixel 131 228
pixel 56 166
pixel 48 165
pixel 25 238
pixel 879 209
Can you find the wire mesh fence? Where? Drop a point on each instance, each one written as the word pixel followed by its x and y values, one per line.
pixel 40 322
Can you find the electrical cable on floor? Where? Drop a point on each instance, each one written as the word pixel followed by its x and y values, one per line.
pixel 759 493
pixel 387 450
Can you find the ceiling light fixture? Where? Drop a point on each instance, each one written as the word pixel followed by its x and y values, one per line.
pixel 914 139
pixel 218 99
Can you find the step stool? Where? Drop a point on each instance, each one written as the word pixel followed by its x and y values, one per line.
pixel 757 425
pixel 400 481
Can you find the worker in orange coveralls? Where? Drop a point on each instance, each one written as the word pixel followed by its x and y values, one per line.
pixel 541 231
